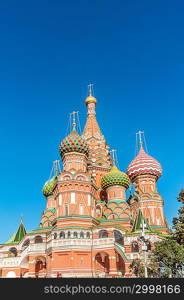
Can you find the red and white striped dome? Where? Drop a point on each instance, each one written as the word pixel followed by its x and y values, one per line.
pixel 144 164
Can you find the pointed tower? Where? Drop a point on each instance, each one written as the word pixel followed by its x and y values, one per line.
pixel 144 172
pixel 19 235
pixel 99 160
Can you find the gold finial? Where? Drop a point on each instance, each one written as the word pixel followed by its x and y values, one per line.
pixel 72 115
pixel 90 98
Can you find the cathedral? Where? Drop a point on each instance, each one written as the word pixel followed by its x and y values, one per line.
pixel 90 227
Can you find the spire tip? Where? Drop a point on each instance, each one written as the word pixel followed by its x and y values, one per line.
pixel 90 89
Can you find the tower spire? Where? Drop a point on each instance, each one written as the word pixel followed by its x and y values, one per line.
pixel 90 100
pixel 73 118
pixel 92 127
pixel 113 156
pixel 21 218
pixel 55 169
pixel 90 89
pixel 140 133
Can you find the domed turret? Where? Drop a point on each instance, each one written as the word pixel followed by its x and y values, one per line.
pixel 144 164
pixel 90 99
pixel 115 177
pixel 73 143
pixel 49 187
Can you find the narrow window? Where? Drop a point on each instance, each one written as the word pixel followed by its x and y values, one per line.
pixel 66 210
pixel 75 235
pixel 73 198
pixel 89 200
pixel 81 209
pixel 60 199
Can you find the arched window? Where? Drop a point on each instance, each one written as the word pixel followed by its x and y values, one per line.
pixel 80 178
pixel 88 235
pixel 55 235
pixel 118 237
pixel 38 239
pixel 148 244
pixel 75 235
pixel 62 235
pixel 69 234
pixel 11 274
pixel 12 252
pixel 81 235
pixel 135 247
pixel 103 234
pixel 25 244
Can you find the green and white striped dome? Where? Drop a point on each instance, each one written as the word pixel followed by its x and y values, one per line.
pixel 115 177
pixel 49 187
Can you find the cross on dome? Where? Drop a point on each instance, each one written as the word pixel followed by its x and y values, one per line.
pixel 140 133
pixel 143 163
pixel 72 115
pixel 90 98
pixel 90 89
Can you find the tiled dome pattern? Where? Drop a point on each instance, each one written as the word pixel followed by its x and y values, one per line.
pixel 73 143
pixel 115 177
pixel 49 187
pixel 144 164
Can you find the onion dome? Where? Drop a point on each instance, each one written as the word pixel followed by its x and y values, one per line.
pixel 144 164
pixel 73 143
pixel 49 187
pixel 90 99
pixel 115 177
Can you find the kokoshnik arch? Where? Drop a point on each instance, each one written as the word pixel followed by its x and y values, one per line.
pixel 89 228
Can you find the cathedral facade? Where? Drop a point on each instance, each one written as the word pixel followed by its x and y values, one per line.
pixel 89 227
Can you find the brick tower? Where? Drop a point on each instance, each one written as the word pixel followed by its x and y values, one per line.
pixel 144 171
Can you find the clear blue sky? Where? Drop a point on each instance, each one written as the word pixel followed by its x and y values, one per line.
pixel 133 51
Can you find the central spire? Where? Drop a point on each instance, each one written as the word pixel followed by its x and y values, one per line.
pixel 91 100
pixel 92 128
pixel 99 156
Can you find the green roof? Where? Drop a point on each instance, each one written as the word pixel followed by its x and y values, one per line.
pixel 116 202
pixel 139 220
pixel 11 239
pixel 17 236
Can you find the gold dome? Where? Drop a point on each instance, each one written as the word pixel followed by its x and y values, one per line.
pixel 90 99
